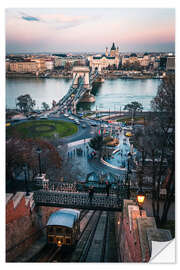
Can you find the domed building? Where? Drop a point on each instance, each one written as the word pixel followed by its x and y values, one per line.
pixel 133 55
pixel 105 60
pixel 133 58
pixel 114 52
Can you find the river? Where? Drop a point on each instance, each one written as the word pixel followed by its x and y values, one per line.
pixel 113 94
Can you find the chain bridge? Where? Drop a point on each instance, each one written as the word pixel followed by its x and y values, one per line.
pixel 81 85
pixel 69 196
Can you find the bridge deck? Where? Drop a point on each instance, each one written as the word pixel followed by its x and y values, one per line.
pixel 74 94
pixel 77 200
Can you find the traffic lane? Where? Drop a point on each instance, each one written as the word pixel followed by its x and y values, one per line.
pixel 83 133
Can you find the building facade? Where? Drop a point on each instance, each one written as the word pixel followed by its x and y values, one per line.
pixel 22 67
pixel 143 61
pixel 30 65
pixel 105 60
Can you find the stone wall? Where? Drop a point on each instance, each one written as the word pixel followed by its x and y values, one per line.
pixel 135 232
pixel 25 223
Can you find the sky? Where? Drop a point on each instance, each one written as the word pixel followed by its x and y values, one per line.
pixel 90 29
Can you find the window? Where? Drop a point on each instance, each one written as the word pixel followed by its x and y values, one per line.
pixel 59 230
pixel 50 230
pixel 50 239
pixel 68 231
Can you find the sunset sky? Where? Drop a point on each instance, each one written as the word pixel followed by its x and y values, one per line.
pixel 89 30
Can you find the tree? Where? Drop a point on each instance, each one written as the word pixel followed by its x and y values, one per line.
pixel 133 107
pixel 97 143
pixel 157 139
pixel 25 103
pixel 45 106
pixel 164 104
pixel 23 151
pixel 54 103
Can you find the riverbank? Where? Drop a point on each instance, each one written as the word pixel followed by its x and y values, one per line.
pixel 110 75
pixel 32 75
pixel 110 95
pixel 143 77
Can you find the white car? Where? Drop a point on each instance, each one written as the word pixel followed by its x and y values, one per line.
pixel 104 126
pixel 77 122
pixel 44 117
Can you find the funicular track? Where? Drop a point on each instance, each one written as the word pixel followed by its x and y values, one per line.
pixel 93 244
pixel 53 253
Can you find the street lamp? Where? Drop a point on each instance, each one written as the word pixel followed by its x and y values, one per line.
pixel 127 175
pixel 140 199
pixel 25 175
pixel 38 151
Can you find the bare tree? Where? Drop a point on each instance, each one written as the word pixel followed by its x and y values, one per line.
pixel 157 140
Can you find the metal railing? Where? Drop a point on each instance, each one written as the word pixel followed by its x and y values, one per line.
pixel 79 200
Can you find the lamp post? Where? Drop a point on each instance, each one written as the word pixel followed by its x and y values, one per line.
pixel 127 175
pixel 38 151
pixel 25 175
pixel 140 199
pixel 132 119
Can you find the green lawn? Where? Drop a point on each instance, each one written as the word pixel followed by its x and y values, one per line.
pixel 138 119
pixel 43 128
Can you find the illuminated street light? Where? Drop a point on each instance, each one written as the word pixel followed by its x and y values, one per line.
pixel 140 199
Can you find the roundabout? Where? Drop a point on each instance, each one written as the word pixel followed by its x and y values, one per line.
pixel 43 129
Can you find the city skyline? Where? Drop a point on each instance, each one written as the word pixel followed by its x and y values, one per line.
pixel 90 29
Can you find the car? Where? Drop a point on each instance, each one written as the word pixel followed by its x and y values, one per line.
pixel 37 111
pixel 77 122
pixel 15 119
pixel 32 117
pixel 43 117
pixel 104 125
pixel 94 124
pixel 71 118
pixel 83 126
pixel 128 134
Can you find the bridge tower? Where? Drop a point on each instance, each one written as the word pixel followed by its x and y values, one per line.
pixel 96 67
pixel 81 72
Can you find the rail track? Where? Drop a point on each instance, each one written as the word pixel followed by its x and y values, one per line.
pixel 94 244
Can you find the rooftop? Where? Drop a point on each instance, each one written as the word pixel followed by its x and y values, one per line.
pixel 113 47
pixel 63 217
